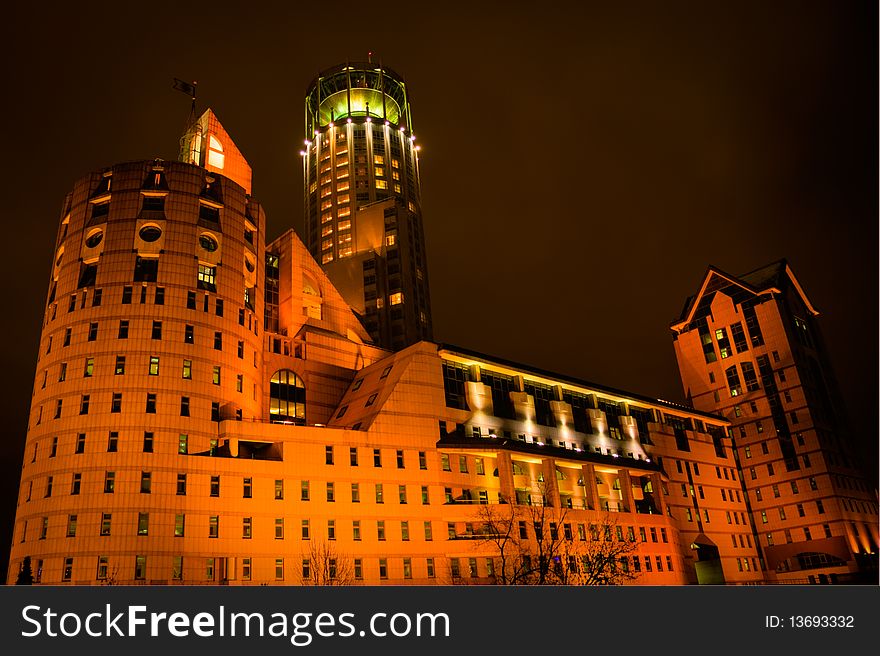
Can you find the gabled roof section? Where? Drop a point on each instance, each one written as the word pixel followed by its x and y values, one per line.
pixel 772 278
pixel 206 143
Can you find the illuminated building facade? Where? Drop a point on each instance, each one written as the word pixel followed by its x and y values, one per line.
pixel 210 409
pixel 363 213
pixel 749 348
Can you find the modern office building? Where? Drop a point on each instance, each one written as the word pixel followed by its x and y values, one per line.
pixel 210 408
pixel 363 216
pixel 749 348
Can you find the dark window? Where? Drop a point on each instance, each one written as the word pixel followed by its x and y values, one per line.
pixel 157 330
pixel 153 203
pixel 501 387
pixel 123 329
pixel 100 210
pixel 116 403
pixel 93 332
pixel 188 334
pixel 542 394
pixel 148 442
pixel 739 337
pixel 454 378
pixel 160 296
pixel 151 403
pixel 749 376
pixel 752 324
pixel 218 341
pixel 126 295
pixel 146 269
pixel 191 300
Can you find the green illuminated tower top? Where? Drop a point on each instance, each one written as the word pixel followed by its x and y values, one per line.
pixel 362 195
pixel 357 90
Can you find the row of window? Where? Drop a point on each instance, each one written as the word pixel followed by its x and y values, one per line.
pixel 800 508
pixel 155 333
pixel 149 442
pixel 330 490
pixel 152 370
pixel 727 473
pixel 116 406
pixel 335 568
pixel 807 532
pixel 535 532
pixel 687 489
pixel 795 489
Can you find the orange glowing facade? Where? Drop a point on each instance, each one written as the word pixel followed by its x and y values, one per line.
pixel 749 349
pixel 208 408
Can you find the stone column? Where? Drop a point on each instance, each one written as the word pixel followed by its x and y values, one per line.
pixel 551 485
pixel 505 476
pixel 659 497
pixel 591 492
pixel 626 490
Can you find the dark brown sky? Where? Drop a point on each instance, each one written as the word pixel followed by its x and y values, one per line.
pixel 581 166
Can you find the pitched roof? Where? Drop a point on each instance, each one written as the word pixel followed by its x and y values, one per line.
pixel 771 278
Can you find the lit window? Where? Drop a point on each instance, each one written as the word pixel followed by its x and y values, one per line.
pixel 326 230
pixel 206 277
pixel 343 211
pixel 327 257
pixel 378 159
pixel 343 225
pixel 390 240
pixel 154 365
pixel 381 184
pixel 396 298
pixel 216 158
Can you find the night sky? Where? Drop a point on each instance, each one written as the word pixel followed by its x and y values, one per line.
pixel 581 166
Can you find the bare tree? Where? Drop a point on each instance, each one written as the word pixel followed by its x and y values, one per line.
pixel 534 545
pixel 326 565
pixel 25 574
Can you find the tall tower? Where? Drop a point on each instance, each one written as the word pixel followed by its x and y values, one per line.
pixel 749 348
pixel 362 199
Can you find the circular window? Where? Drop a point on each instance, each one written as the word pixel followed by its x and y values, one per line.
pixel 150 233
pixel 249 265
pixel 94 239
pixel 208 243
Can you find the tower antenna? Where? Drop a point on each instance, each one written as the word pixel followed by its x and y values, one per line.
pixel 188 88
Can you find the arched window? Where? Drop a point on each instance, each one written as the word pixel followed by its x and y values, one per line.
pixel 287 398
